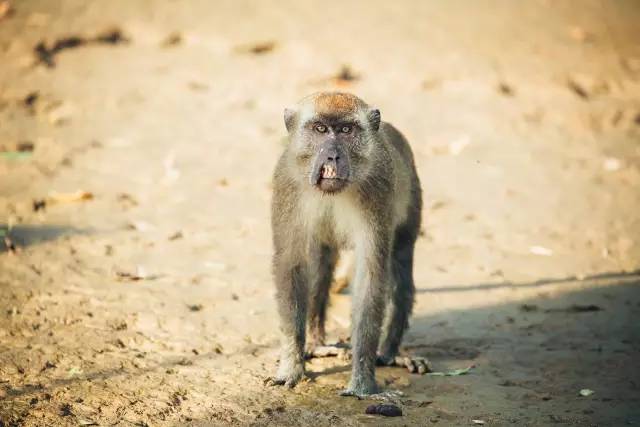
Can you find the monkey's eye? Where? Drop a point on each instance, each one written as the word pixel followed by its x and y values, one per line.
pixel 345 129
pixel 320 128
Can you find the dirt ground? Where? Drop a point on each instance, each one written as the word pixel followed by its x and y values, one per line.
pixel 150 301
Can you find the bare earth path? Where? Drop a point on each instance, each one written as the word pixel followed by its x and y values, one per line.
pixel 151 303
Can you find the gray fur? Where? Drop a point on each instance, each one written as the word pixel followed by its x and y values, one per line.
pixel 373 205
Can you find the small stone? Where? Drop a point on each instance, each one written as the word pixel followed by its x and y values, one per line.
pixel 386 410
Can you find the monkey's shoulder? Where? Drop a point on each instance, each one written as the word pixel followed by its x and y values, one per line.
pixel 396 140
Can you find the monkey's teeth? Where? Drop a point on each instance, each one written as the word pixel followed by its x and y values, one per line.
pixel 328 171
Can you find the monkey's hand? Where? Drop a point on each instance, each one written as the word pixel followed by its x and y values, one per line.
pixel 339 350
pixel 415 365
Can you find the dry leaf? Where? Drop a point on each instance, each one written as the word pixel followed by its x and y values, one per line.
pixel 5 9
pixel 586 392
pixel 78 196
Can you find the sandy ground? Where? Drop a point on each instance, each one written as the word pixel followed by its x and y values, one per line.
pixel 151 303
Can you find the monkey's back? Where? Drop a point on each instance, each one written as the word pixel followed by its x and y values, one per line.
pixel 408 192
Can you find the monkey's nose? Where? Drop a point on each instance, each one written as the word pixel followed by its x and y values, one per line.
pixel 333 159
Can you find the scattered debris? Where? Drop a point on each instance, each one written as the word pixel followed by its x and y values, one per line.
pixel 77 196
pixel 528 308
pixel 576 308
pixel 586 86
pixel 454 373
pixel 48 365
pixel 540 250
pixel 195 307
pixel 39 205
pixel 112 36
pixel 175 236
pixel 477 422
pixel 61 113
pixel 127 200
pixel 140 274
pixel 259 48
pixel 586 392
pixel 345 76
pixel 74 371
pixel 437 204
pixel 65 410
pixel 25 146
pixel 5 9
pixel 172 40
pixel 45 53
pixel 506 89
pixel 142 226
pixel 384 409
pixel 30 100
pixel 8 243
pixel 611 164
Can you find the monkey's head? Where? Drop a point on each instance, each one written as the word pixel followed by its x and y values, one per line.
pixel 331 135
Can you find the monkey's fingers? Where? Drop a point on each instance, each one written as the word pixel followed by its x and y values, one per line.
pixel 341 351
pixel 273 381
pixel 419 365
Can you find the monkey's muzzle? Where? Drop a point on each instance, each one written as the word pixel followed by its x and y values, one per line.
pixel 330 169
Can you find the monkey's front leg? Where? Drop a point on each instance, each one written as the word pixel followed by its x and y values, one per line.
pixel 291 294
pixel 367 315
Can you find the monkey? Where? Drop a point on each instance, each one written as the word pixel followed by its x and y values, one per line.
pixel 346 179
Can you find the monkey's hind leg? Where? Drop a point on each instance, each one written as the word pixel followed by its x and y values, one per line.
pixel 401 302
pixel 322 263
pixel 367 316
pixel 291 281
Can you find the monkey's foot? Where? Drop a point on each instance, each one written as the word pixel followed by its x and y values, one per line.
pixel 340 350
pixel 287 379
pixel 287 382
pixel 415 365
pixel 361 389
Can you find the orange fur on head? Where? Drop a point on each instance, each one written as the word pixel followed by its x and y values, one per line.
pixel 336 103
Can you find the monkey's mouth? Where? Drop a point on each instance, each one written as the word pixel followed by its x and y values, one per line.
pixel 329 181
pixel 328 172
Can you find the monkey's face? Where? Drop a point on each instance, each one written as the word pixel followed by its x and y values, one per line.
pixel 330 140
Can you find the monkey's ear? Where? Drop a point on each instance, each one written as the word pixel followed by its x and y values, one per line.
pixel 289 118
pixel 374 119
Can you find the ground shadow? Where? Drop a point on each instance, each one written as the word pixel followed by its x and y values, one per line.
pixel 537 354
pixel 613 275
pixel 30 234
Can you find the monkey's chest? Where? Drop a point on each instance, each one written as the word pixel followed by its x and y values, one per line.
pixel 339 222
